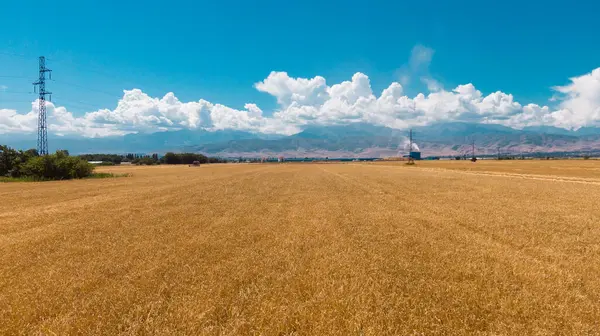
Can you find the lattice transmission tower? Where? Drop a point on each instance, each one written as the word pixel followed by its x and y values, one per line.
pixel 42 139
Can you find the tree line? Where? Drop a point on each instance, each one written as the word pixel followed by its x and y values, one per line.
pixel 62 166
pixel 188 158
pixel 28 164
pixel 153 159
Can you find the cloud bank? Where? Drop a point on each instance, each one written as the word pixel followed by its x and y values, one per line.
pixel 311 101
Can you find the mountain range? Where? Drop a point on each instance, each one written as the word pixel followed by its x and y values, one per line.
pixel 353 140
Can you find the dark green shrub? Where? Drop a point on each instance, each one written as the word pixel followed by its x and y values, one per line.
pixel 12 160
pixel 57 166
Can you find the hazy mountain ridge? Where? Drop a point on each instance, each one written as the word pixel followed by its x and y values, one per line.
pixel 438 139
pixel 135 143
pixel 340 140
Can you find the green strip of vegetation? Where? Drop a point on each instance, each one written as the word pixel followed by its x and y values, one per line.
pixel 154 159
pixel 4 179
pixel 28 166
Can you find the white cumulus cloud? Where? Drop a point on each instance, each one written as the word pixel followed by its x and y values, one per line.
pixel 290 91
pixel 13 122
pixel 580 104
pixel 311 101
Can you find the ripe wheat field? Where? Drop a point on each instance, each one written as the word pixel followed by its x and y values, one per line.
pixel 447 248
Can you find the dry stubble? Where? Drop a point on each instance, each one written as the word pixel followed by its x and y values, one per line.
pixel 312 249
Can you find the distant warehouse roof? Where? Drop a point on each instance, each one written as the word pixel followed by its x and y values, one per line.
pixel 95 162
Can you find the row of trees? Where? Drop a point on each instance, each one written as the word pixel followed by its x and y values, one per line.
pixel 118 158
pixel 177 158
pixel 186 158
pixel 168 158
pixel 112 158
pixel 58 166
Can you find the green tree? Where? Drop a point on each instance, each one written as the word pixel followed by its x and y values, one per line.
pixel 31 153
pixel 62 152
pixel 7 158
pixel 184 158
pixel 57 166
pixel 171 158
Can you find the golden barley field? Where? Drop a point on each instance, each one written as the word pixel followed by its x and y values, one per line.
pixel 440 248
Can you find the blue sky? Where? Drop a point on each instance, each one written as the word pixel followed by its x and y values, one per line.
pixel 217 50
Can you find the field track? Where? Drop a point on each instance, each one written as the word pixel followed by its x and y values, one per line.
pixel 490 248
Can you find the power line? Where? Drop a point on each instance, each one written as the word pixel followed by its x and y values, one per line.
pixel 15 92
pixel 42 126
pixel 71 63
pixel 58 103
pixel 10 76
pixel 61 102
pixel 89 68
pixel 2 101
pixel 80 104
pixel 84 87
pixel 6 53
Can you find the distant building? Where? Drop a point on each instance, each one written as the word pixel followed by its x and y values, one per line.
pixel 95 162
